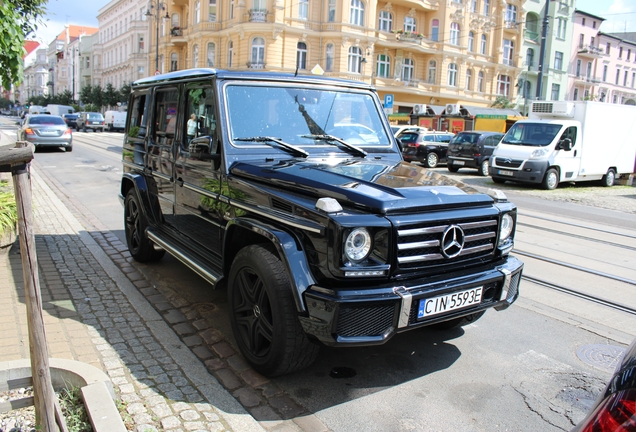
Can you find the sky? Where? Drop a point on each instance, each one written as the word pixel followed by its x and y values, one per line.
pixel 620 15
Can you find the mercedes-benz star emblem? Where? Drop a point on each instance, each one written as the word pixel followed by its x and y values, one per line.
pixel 452 241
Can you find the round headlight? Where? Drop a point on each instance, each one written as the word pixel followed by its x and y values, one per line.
pixel 507 224
pixel 358 245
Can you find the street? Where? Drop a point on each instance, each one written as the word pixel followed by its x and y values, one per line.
pixel 538 365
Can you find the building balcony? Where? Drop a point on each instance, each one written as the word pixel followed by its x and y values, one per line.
pixel 532 36
pixel 586 79
pixel 256 65
pixel 511 26
pixel 426 5
pixel 258 15
pixel 590 51
pixel 178 36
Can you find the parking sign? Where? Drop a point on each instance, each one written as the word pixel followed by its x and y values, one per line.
pixel 388 101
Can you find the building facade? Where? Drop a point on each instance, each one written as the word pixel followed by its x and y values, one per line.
pixel 36 75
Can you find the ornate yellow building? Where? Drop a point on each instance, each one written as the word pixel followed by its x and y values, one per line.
pixel 433 52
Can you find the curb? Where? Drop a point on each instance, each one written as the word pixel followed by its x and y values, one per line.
pixel 96 387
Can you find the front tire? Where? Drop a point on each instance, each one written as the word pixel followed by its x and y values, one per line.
pixel 551 179
pixel 263 314
pixel 498 180
pixel 432 160
pixel 452 168
pixel 483 168
pixel 135 224
pixel 609 178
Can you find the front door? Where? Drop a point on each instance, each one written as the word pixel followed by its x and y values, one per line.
pixel 569 161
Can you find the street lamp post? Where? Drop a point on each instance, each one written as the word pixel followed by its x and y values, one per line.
pixel 159 6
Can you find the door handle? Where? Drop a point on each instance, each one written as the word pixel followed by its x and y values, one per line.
pixel 180 181
pixel 574 153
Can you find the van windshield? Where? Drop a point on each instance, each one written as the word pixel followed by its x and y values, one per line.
pixel 531 134
pixel 299 115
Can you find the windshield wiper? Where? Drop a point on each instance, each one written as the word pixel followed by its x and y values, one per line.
pixel 330 139
pixel 269 140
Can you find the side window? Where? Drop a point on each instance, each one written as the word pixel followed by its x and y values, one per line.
pixel 429 137
pixel 570 133
pixel 200 113
pixel 137 117
pixel 167 101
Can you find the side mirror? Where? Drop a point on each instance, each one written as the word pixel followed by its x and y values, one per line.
pixel 565 144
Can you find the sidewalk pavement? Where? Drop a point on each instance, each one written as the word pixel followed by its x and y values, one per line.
pixel 95 313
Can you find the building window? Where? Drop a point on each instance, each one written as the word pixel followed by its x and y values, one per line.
pixel 589 69
pixel 212 11
pixel 230 53
pixel 561 28
pixel 558 60
pixel 511 13
pixel 354 60
pixel 303 9
pixel 618 76
pixel 471 41
pixel 583 22
pixel 140 42
pixel 211 54
pixel 231 12
pixel 608 47
pixel 581 40
pixel 174 62
pixel 625 79
pixel 473 5
pixel 356 14
pixel 529 58
pixel 301 55
pixel 576 94
pixel 480 82
pixel 578 68
pixel 486 7
pixel 555 92
pixel 615 99
pixel 331 11
pixel 454 34
pixel 197 12
pixel 629 54
pixel 407 70
pixel 383 66
pixel 452 75
pixel 195 56
pixel 503 85
pixel 605 73
pixel 386 21
pixel 409 25
pixel 482 45
pixel 508 52
pixel 432 69
pixel 329 58
pixel 469 78
pixel 435 30
pixel 258 51
pixel 175 20
pixel 620 53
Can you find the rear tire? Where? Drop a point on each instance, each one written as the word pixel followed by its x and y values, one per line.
pixel 135 224
pixel 551 179
pixel 84 128
pixel 69 148
pixel 452 168
pixel 458 322
pixel 609 178
pixel 432 160
pixel 483 168
pixel 263 314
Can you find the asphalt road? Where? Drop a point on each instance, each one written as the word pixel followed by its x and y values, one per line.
pixel 516 370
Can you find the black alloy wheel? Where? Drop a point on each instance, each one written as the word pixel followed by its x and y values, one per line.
pixel 135 224
pixel 263 314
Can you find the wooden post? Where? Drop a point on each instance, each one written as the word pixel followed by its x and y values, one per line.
pixel 44 396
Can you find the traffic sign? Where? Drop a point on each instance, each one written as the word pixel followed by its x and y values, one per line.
pixel 388 101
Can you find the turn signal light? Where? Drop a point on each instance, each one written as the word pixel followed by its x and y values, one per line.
pixel 617 413
pixel 68 131
pixel 29 131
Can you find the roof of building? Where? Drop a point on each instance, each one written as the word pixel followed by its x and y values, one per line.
pixel 74 31
pixel 29 47
pixel 630 36
pixel 579 11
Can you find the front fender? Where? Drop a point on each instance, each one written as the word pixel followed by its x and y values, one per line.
pixel 289 250
pixel 139 183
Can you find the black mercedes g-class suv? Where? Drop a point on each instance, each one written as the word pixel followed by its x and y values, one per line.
pixel 291 192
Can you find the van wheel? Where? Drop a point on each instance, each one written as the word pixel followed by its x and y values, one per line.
pixel 431 160
pixel 498 180
pixel 483 168
pixel 452 168
pixel 263 314
pixel 551 179
pixel 609 178
pixel 458 322
pixel 135 224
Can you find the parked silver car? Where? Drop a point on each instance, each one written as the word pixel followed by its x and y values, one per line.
pixel 45 130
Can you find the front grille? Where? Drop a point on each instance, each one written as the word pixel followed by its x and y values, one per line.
pixel 514 286
pixel 365 320
pixel 420 244
pixel 508 163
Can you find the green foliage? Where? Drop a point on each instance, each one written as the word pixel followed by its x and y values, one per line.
pixel 74 411
pixel 502 102
pixel 110 95
pixel 8 210
pixel 85 94
pixel 97 96
pixel 124 93
pixel 18 19
pixel 4 103
pixel 91 108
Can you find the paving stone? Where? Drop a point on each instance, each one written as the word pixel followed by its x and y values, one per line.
pixel 223 349
pixel 247 397
pixel 310 423
pixel 214 364
pixel 264 413
pixel 170 422
pixel 201 324
pixel 228 379
pixel 194 426
pixel 173 316
pixel 287 406
pixel 202 352
pixel 190 415
pixel 211 336
pixel 162 410
pixel 136 408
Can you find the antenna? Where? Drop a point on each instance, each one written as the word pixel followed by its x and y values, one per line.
pixel 296 74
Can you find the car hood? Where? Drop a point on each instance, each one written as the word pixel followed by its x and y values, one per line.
pixel 379 186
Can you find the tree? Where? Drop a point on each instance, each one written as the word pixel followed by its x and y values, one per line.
pixel 18 19
pixel 64 98
pixel 85 94
pixel 97 96
pixel 111 96
pixel 124 93
pixel 502 102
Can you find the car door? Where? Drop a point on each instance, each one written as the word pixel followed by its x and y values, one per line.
pixel 160 147
pixel 199 211
pixel 569 161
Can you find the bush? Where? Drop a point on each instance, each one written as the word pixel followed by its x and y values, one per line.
pixel 8 209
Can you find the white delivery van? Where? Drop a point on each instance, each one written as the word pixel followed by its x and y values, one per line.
pixel 568 142
pixel 115 120
pixel 59 109
pixel 37 109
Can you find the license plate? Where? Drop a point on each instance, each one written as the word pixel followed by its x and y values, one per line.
pixel 506 173
pixel 48 132
pixel 450 302
pixel 96 123
pixel 458 162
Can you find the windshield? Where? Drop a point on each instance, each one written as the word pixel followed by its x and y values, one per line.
pixel 301 116
pixel 531 134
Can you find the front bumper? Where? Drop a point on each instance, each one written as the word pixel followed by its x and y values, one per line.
pixel 528 172
pixel 345 317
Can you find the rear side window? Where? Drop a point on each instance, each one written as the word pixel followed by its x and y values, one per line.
pixel 166 115
pixel 429 137
pixel 408 137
